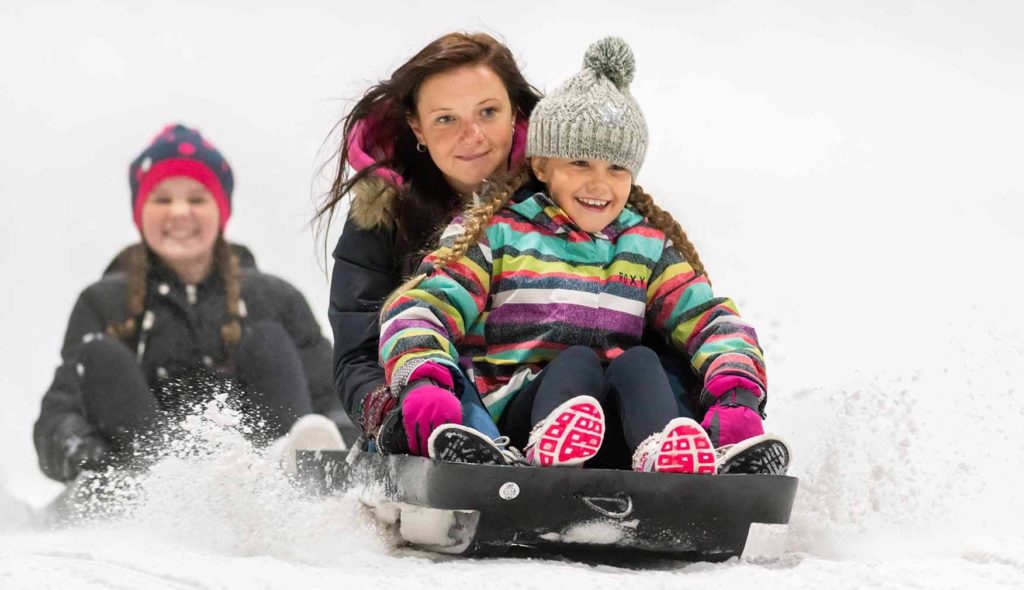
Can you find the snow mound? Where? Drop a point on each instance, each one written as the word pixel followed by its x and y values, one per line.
pixel 210 489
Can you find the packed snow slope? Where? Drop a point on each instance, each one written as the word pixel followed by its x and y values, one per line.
pixel 850 175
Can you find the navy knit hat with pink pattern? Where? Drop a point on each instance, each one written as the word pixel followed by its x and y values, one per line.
pixel 180 151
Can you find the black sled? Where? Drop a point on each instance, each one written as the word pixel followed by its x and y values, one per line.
pixel 464 509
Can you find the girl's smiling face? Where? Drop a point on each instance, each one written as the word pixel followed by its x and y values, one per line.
pixel 592 192
pixel 181 222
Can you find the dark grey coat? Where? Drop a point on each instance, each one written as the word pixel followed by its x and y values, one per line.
pixel 185 333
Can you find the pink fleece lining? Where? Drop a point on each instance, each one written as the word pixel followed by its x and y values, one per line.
pixel 359 158
pixel 435 372
pixel 723 383
pixel 518 154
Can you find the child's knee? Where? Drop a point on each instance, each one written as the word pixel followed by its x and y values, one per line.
pixel 101 353
pixel 637 357
pixel 582 360
pixel 264 341
pixel 580 366
pixel 265 331
pixel 582 356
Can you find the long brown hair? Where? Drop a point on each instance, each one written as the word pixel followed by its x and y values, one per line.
pixel 421 213
pixel 477 218
pixel 135 260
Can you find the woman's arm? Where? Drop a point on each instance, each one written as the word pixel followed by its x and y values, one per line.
pixel 366 271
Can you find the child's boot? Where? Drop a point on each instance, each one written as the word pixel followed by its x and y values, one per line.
pixel 681 447
pixel 765 454
pixel 569 435
pixel 456 443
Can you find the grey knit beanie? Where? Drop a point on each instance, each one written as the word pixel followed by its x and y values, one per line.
pixel 593 115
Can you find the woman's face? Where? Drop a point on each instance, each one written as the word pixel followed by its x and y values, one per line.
pixel 465 120
pixel 180 222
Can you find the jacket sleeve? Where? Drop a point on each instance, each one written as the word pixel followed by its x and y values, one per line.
pixel 426 323
pixel 314 350
pixel 62 415
pixel 366 271
pixel 708 329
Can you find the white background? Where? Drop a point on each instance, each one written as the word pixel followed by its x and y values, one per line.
pixel 850 172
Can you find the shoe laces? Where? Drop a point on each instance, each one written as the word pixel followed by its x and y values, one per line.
pixel 513 455
pixel 721 452
pixel 643 456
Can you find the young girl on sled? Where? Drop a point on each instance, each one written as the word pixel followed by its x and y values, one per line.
pixel 540 297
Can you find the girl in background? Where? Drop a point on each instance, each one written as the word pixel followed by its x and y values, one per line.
pixel 173 316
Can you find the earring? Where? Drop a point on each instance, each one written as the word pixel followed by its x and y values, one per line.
pixel 421 147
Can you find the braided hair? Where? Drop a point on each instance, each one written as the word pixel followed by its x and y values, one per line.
pixel 497 194
pixel 663 221
pixel 136 261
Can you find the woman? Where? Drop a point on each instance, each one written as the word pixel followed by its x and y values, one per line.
pixel 421 145
pixel 173 317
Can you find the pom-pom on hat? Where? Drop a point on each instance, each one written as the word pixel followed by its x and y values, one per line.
pixel 180 151
pixel 593 115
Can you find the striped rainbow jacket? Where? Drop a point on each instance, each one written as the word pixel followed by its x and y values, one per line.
pixel 536 284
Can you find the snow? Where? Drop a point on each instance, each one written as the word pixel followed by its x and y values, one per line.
pixel 850 174
pixel 592 533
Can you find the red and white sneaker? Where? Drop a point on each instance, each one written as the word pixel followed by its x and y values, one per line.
pixel 571 434
pixel 681 447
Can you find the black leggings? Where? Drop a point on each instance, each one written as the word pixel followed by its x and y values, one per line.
pixel 633 390
pixel 271 387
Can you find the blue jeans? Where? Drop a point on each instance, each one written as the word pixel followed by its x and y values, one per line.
pixel 474 413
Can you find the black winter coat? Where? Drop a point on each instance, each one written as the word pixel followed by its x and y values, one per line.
pixel 185 334
pixel 369 263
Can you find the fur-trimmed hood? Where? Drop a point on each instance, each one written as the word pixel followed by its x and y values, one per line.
pixel 374 203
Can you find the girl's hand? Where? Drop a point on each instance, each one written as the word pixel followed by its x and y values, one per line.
pixel 728 425
pixel 428 403
pixel 733 416
pixel 425 407
pixel 81 453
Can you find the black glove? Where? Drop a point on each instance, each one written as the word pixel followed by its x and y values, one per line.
pixel 80 453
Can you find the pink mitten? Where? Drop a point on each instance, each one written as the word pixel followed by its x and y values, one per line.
pixel 427 405
pixel 733 416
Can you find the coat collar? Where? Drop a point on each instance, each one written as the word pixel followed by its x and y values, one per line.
pixel 161 274
pixel 541 210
